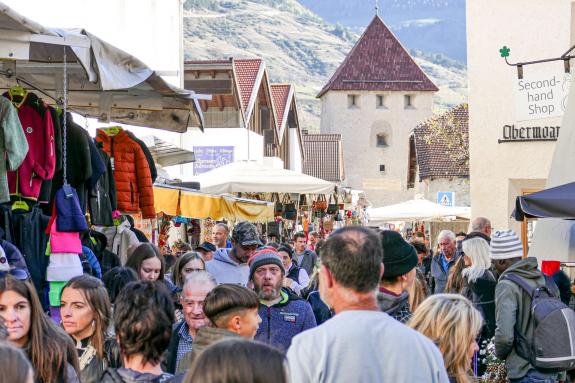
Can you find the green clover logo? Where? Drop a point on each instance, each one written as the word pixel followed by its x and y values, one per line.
pixel 504 51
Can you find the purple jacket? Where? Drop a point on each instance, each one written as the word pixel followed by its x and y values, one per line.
pixel 284 320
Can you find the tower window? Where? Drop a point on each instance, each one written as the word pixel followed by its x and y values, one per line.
pixel 408 101
pixel 381 141
pixel 352 101
pixel 380 101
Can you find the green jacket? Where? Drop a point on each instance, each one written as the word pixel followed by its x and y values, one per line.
pixel 13 144
pixel 206 337
pixel 513 311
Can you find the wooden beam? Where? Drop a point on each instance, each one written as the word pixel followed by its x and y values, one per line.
pixel 222 104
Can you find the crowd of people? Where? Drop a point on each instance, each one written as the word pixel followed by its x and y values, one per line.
pixel 362 305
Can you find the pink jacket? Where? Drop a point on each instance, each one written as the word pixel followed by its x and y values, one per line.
pixel 40 162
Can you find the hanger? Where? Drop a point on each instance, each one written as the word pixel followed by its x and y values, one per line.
pixel 20 205
pixel 17 95
pixel 112 130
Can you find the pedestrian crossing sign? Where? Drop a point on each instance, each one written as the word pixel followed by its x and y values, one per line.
pixel 446 198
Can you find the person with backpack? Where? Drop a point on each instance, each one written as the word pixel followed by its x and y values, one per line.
pixel 528 316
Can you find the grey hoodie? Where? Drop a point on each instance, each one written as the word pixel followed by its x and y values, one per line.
pixel 512 310
pixel 395 306
pixel 227 270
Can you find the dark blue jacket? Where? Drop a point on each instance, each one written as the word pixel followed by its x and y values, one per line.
pixel 93 260
pixel 284 320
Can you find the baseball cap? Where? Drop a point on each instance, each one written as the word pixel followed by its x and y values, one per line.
pixel 246 234
pixel 206 246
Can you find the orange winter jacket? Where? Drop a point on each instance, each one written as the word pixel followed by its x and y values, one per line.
pixel 131 173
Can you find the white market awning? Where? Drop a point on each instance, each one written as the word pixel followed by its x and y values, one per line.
pixel 415 210
pixel 251 177
pixel 104 82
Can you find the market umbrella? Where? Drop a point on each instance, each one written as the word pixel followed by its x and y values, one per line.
pixel 104 82
pixel 413 210
pixel 251 177
pixel 556 202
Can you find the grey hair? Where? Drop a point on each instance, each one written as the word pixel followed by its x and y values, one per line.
pixel 446 234
pixel 480 223
pixel 223 226
pixel 200 277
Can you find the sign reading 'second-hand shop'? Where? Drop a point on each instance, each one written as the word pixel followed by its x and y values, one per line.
pixel 512 133
pixel 541 95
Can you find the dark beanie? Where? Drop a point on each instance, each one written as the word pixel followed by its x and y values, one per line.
pixel 265 257
pixel 399 257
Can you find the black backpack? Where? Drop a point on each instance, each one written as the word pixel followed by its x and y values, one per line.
pixel 553 345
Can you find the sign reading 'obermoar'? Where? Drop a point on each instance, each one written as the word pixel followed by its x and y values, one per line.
pixel 541 95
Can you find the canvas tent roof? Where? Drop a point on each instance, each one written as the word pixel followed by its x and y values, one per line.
pixel 413 210
pixel 167 154
pixel 246 177
pixel 104 82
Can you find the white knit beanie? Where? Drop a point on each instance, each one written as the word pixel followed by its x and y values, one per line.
pixel 505 244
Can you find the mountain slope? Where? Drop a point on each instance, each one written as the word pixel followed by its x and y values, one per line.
pixel 297 46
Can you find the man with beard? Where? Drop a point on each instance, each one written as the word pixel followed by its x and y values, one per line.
pixel 284 315
pixel 230 265
pixel 197 286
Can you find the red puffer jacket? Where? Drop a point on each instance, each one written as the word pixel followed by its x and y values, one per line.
pixel 131 173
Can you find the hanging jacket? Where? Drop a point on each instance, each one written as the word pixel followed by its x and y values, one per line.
pixel 97 242
pixel 13 144
pixel 120 238
pixel 79 164
pixel 93 261
pixel 284 320
pixel 102 197
pixel 46 189
pixel 40 161
pixel 26 231
pixel 131 173
pixel 148 154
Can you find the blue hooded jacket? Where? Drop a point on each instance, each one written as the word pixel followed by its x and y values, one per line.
pixel 284 320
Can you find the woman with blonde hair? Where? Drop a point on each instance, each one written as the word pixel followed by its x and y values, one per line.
pixel 453 324
pixel 481 281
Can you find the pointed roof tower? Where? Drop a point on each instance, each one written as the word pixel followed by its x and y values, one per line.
pixel 378 62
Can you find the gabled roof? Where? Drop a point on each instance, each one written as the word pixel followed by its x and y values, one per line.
pixel 282 96
pixel 249 73
pixel 378 62
pixel 442 145
pixel 323 156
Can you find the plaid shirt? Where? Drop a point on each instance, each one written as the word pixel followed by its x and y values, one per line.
pixel 184 344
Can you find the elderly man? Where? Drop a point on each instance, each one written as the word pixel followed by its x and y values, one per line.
pixel 220 233
pixel 360 343
pixel 197 286
pixel 443 261
pixel 231 265
pixel 480 227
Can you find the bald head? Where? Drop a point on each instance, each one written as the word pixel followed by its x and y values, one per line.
pixel 481 225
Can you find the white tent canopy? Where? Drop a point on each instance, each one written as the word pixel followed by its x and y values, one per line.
pixel 103 81
pixel 417 209
pixel 251 177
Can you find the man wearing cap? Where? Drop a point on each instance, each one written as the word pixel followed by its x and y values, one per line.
pixel 513 305
pixel 284 315
pixel 399 261
pixel 230 265
pixel 206 250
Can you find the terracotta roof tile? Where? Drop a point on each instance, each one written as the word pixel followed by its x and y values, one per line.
pixel 378 62
pixel 280 98
pixel 440 155
pixel 323 156
pixel 247 72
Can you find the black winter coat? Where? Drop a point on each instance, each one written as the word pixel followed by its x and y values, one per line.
pixel 102 200
pixel 482 294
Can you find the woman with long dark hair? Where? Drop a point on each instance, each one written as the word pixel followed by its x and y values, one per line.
pixel 49 348
pixel 86 313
